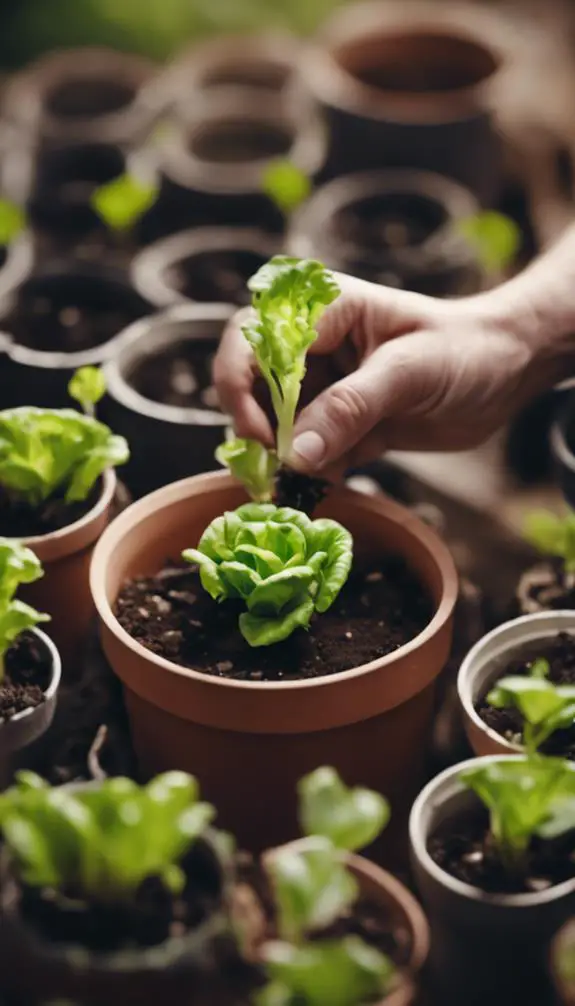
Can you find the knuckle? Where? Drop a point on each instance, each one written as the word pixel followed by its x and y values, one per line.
pixel 346 407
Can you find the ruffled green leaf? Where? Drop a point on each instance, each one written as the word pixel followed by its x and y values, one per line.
pixel 350 818
pixel 345 972
pixel 251 464
pixel 262 631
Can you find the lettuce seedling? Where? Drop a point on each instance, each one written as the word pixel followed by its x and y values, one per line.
pixel 281 563
pixel 251 464
pixel 100 843
pixel 18 565
pixel 48 452
pixel 350 818
pixel 12 221
pixel 552 535
pixel 289 297
pixel 545 707
pixel 345 972
pixel 286 185
pixel 88 387
pixel 123 201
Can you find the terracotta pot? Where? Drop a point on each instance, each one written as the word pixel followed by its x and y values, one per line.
pixel 64 591
pixel 413 86
pixel 562 959
pixel 167 442
pixel 398 228
pixel 26 728
pixel 520 639
pixel 379 887
pixel 485 948
pixel 371 722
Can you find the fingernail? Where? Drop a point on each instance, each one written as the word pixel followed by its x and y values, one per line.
pixel 310 448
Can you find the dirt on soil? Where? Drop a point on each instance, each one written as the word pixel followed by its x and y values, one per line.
pixel 28 675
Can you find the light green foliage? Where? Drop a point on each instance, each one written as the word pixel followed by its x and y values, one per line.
pixel 286 185
pixel 101 842
pixel 495 238
pixel 121 202
pixel 350 818
pixel 343 972
pixel 544 706
pixel 527 797
pixel 12 221
pixel 87 387
pixel 289 297
pixel 552 535
pixel 18 565
pixel 281 563
pixel 251 464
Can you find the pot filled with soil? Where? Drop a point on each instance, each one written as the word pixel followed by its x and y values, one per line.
pixel 210 265
pixel 62 317
pixel 406 87
pixel 399 228
pixel 161 395
pixel 549 584
pixel 495 892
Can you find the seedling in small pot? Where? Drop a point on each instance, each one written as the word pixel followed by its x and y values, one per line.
pixel 121 203
pixel 545 707
pixel 18 565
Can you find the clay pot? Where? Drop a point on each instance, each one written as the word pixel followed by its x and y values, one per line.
pixel 562 447
pixel 485 948
pixel 250 742
pixel 167 441
pixel 412 86
pixel 64 592
pixel 39 369
pixel 514 640
pixel 398 228
pixel 26 728
pixel 208 264
pixel 399 905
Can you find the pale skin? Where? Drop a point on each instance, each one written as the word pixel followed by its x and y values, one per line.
pixel 408 372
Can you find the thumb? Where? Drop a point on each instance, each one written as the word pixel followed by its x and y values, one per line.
pixel 387 383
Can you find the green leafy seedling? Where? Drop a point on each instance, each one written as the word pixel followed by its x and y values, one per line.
pixel 287 185
pixel 544 706
pixel 350 818
pixel 123 201
pixel 281 563
pixel 495 238
pixel 12 221
pixel 289 295
pixel 18 565
pixel 251 464
pixel 88 387
pixel 552 535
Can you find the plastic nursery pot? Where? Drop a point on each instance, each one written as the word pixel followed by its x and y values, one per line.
pixel 250 742
pixel 92 95
pixel 212 167
pixel 485 948
pixel 63 316
pixel 519 639
pixel 406 86
pixel 562 447
pixel 393 227
pixel 207 264
pixel 400 907
pixel 160 395
pixel 64 591
pixel 25 728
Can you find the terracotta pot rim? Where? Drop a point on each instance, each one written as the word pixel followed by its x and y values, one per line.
pixel 52 688
pixel 65 535
pixel 178 491
pixel 122 392
pixel 447 781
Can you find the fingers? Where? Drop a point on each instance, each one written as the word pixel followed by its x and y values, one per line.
pixel 234 374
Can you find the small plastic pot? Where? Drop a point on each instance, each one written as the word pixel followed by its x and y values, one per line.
pixel 485 948
pixel 25 728
pixel 521 638
pixel 208 265
pixel 168 441
pixel 41 356
pixel 398 228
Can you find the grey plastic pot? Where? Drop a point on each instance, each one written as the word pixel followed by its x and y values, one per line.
pixel 485 948
pixel 185 266
pixel 167 442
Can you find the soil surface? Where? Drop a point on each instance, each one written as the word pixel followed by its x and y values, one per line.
pixel 464 849
pixel 299 491
pixel 216 277
pixel 28 675
pixel 180 375
pixel 19 520
pixel 560 653
pixel 239 141
pixel 379 609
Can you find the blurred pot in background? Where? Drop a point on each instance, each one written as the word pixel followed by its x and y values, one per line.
pixel 398 228
pixel 161 398
pixel 563 442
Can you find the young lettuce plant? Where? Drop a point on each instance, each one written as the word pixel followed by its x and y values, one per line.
pixel 545 707
pixel 123 201
pixel 47 453
pixel 552 535
pixel 281 563
pixel 18 565
pixel 250 463
pixel 313 889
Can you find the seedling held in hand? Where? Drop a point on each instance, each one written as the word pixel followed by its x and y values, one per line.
pixel 123 201
pixel 251 464
pixel 552 535
pixel 18 565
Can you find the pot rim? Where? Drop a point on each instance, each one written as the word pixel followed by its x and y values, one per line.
pixel 52 688
pixel 52 545
pixel 149 266
pixel 178 491
pixel 563 453
pixel 19 261
pixel 447 781
pixel 120 391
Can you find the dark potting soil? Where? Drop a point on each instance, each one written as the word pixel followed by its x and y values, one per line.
pixel 560 653
pixel 302 492
pixel 180 375
pixel 239 141
pixel 19 520
pixel 216 277
pixel 379 609
pixel 464 849
pixel 28 675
